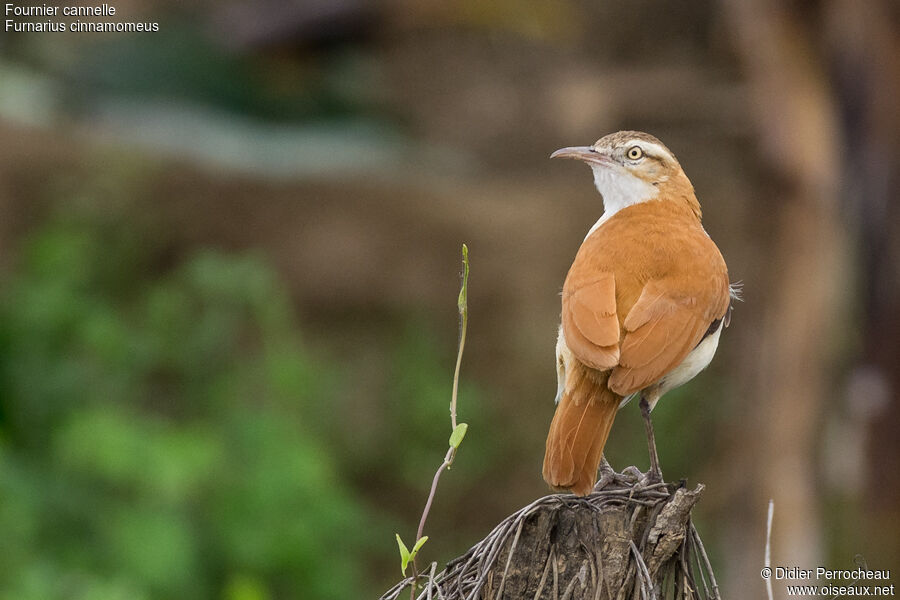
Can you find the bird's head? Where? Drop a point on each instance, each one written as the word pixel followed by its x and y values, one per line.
pixel 632 167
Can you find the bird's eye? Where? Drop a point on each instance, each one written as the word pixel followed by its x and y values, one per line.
pixel 634 153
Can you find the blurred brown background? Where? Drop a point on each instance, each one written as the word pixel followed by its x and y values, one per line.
pixel 230 250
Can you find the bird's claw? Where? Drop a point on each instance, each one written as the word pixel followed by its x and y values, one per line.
pixel 605 479
pixel 607 475
pixel 651 478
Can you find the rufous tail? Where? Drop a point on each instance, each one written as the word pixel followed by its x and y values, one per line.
pixel 579 430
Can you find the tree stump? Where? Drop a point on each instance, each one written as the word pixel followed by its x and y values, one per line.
pixel 625 541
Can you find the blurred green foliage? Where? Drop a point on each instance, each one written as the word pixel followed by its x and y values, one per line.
pixel 157 435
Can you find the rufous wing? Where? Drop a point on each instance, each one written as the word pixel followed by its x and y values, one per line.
pixel 663 326
pixel 590 324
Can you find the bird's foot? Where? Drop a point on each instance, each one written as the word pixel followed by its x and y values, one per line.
pixel 651 478
pixel 604 480
pixel 607 475
pixel 630 476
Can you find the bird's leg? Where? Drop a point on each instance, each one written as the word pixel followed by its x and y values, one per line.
pixel 607 474
pixel 655 474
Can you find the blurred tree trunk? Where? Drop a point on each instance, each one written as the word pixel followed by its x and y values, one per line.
pixel 863 41
pixel 798 130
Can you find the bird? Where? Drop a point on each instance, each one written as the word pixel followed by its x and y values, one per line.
pixel 643 304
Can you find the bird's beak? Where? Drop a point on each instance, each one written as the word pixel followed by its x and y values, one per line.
pixel 585 153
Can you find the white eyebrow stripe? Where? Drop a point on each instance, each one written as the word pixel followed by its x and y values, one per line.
pixel 653 148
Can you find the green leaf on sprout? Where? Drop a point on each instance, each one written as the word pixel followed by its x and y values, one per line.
pixel 418 546
pixel 462 301
pixel 404 555
pixel 458 434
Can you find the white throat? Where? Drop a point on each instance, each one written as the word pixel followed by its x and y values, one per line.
pixel 619 189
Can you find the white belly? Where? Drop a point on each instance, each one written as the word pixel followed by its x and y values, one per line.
pixel 693 363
